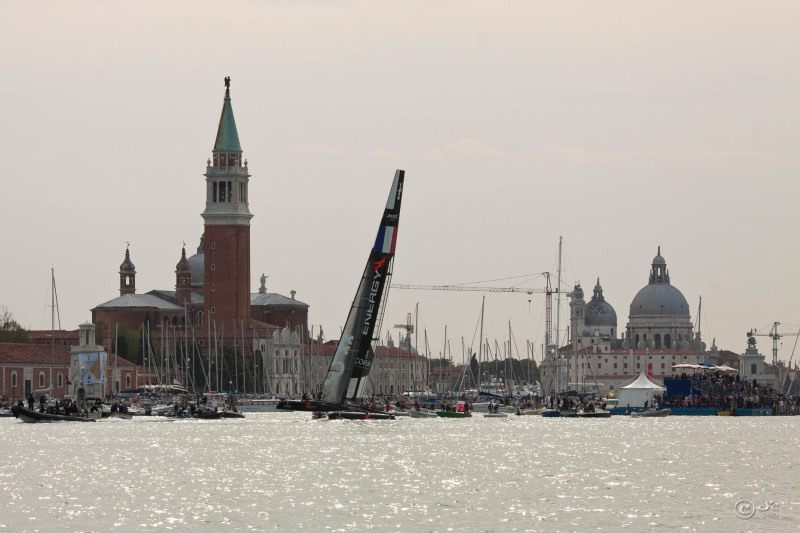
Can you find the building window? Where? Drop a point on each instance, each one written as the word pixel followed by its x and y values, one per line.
pixel 128 381
pixel 213 287
pixel 41 379
pixel 667 341
pixel 625 365
pixel 215 191
pixel 753 370
pixel 213 246
pixel 201 342
pixel 213 310
pixel 615 365
pixel 213 266
pixel 658 341
pixel 662 366
pixel 60 379
pixel 222 199
pixel 13 379
pixel 229 192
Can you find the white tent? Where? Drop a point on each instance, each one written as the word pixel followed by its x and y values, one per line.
pixel 640 391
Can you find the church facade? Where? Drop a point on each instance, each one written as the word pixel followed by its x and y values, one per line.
pixel 658 335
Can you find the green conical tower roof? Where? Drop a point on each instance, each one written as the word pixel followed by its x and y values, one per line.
pixel 227 136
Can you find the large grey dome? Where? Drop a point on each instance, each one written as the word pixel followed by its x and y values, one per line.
pixel 659 298
pixel 197 263
pixel 598 311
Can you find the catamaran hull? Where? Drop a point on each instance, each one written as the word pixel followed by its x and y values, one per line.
pixel 308 405
pixel 358 415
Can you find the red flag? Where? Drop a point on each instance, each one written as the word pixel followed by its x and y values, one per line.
pixel 649 370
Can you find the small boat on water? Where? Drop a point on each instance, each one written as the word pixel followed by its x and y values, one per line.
pixel 597 413
pixel 652 412
pixel 495 415
pixel 29 415
pixel 523 412
pixel 359 415
pixel 550 413
pixel 453 414
pixel 422 413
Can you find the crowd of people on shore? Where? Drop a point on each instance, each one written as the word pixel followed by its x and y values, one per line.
pixel 724 391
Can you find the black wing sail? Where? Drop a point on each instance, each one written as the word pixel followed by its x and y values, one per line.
pixel 354 355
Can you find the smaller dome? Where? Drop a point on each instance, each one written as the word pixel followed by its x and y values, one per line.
pixel 598 311
pixel 127 265
pixel 197 264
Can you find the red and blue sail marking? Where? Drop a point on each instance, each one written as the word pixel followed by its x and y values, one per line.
pixel 386 240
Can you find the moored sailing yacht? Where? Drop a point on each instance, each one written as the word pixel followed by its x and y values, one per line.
pixel 352 361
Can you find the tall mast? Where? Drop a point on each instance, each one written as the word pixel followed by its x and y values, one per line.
pixel 480 346
pixel 558 297
pixel 699 316
pixel 52 325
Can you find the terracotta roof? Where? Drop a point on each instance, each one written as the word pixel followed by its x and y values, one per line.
pixel 46 334
pixel 42 354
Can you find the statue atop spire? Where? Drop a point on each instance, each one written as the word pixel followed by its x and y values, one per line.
pixel 227 82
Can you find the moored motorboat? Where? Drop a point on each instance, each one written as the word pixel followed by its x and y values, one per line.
pixel 523 412
pixel 550 413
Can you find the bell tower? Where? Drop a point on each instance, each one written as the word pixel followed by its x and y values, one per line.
pixel 227 217
pixel 127 275
pixel 183 280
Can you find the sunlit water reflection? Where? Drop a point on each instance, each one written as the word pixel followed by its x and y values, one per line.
pixel 284 471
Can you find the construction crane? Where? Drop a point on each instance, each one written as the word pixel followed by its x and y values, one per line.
pixel 548 291
pixel 775 336
pixel 409 327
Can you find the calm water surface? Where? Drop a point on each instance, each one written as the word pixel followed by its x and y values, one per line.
pixel 284 471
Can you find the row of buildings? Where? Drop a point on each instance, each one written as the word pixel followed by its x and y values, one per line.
pixel 211 310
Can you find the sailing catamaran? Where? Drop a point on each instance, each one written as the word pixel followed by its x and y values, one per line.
pixel 351 363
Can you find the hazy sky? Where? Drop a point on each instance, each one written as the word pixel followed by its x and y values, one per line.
pixel 620 125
